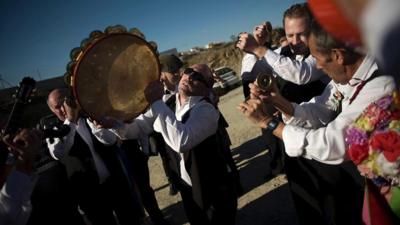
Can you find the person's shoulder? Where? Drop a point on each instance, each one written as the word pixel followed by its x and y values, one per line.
pixel 206 109
pixel 378 87
pixel 384 82
pixel 202 102
pixel 248 57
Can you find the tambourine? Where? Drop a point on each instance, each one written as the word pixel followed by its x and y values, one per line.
pixel 110 73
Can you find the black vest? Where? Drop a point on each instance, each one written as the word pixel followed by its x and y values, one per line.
pixel 208 163
pixel 298 93
pixel 80 160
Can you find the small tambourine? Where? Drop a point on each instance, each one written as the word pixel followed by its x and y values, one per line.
pixel 264 81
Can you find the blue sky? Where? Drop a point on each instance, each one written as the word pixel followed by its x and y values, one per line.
pixel 37 36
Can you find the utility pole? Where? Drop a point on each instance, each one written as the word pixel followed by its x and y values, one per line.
pixel 4 83
pixel 38 73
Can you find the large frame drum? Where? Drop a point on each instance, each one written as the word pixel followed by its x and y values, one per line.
pixel 111 74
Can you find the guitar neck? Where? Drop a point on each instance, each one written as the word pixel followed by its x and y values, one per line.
pixel 23 93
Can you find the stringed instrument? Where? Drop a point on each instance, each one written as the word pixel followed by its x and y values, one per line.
pixel 21 97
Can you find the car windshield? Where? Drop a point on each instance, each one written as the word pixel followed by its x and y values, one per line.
pixel 222 71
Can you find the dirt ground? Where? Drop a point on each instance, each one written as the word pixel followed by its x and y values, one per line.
pixel 264 202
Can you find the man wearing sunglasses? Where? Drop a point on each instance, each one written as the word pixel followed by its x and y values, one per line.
pixel 190 126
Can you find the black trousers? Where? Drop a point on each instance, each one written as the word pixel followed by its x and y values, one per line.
pixel 325 194
pixel 276 153
pixel 246 89
pixel 99 201
pixel 165 158
pixel 140 171
pixel 52 199
pixel 222 210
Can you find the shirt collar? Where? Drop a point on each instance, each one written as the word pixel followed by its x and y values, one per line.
pixel 364 71
pixel 171 91
pixel 192 100
pixel 299 57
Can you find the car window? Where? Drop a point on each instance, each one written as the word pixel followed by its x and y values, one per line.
pixel 223 71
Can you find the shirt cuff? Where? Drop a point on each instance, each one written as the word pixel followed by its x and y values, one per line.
pixel 297 118
pixel 287 120
pixel 294 139
pixel 70 124
pixel 271 57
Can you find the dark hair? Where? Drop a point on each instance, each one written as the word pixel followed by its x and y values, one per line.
pixel 298 11
pixel 277 34
pixel 325 42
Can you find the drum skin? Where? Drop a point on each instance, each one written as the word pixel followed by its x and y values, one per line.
pixel 111 75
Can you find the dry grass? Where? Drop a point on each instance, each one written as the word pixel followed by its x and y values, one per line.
pixel 225 55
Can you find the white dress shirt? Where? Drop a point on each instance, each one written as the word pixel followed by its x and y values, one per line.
pixel 248 62
pixel 61 147
pixel 295 71
pixel 317 131
pixel 181 137
pixel 15 205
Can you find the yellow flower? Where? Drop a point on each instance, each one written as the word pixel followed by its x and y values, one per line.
pixel 372 162
pixel 364 124
pixel 394 125
pixel 396 99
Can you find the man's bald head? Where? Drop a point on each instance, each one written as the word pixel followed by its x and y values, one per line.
pixel 55 101
pixel 58 93
pixel 196 81
pixel 206 72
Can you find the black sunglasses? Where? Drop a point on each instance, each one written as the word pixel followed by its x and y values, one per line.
pixel 194 75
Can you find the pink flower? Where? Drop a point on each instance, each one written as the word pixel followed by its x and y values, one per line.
pixel 377 116
pixel 372 111
pixel 383 119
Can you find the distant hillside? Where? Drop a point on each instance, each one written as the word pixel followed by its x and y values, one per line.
pixel 225 55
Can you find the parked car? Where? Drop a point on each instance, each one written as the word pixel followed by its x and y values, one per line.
pixel 225 80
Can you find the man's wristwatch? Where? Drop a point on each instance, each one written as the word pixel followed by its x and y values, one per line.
pixel 272 124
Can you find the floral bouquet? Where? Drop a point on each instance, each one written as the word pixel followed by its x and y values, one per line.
pixel 374 145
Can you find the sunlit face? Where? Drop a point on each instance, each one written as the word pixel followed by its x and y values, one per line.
pixel 190 86
pixel 328 63
pixel 170 80
pixel 296 30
